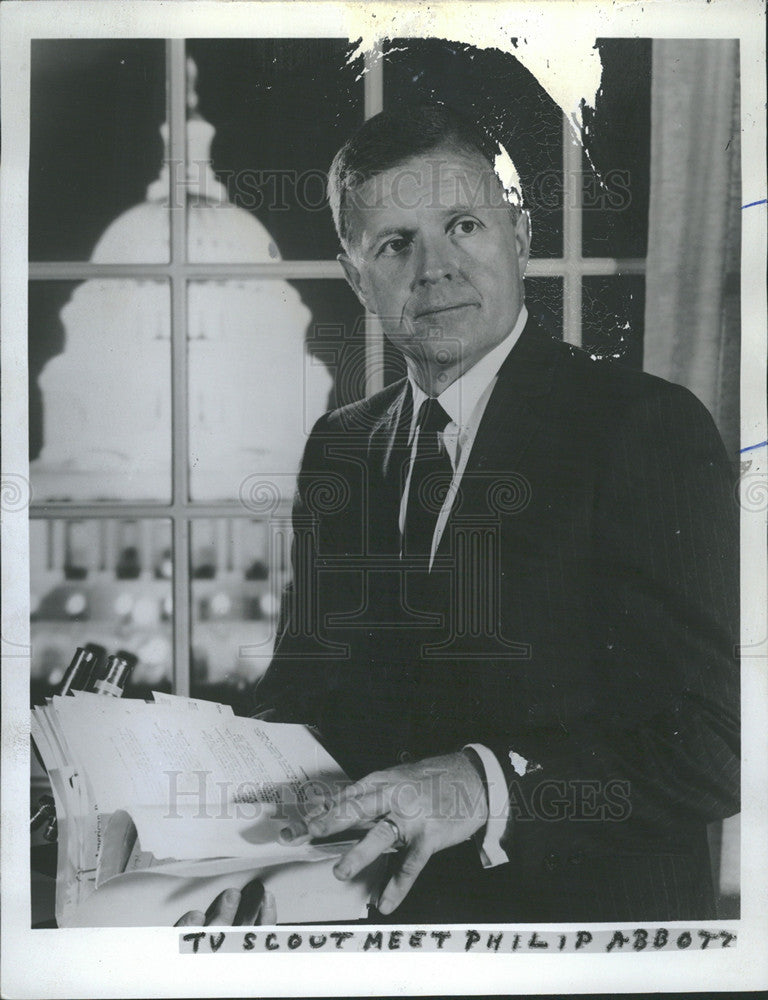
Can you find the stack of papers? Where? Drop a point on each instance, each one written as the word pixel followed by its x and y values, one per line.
pixel 163 804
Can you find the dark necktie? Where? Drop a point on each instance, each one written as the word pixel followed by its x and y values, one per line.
pixel 430 480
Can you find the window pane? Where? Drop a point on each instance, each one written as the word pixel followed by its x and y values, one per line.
pixel 238 568
pixel 266 359
pixel 336 338
pixel 493 89
pixel 95 147
pixel 106 582
pixel 613 317
pixel 100 394
pixel 615 220
pixel 544 300
pixel 280 108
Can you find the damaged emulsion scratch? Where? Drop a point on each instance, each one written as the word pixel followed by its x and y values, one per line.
pixel 572 80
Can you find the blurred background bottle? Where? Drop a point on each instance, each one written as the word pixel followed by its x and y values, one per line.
pixel 78 674
pixel 116 672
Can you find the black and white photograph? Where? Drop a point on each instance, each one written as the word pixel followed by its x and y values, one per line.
pixel 383 498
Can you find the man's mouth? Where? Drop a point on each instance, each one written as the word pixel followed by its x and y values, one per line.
pixel 438 310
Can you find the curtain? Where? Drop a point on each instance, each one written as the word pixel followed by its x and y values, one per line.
pixel 692 316
pixel 692 319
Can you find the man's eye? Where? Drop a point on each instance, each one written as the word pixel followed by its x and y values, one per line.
pixel 395 246
pixel 465 227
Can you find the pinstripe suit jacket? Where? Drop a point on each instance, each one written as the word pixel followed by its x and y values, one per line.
pixel 580 620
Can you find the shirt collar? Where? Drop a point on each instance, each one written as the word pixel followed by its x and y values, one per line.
pixel 462 396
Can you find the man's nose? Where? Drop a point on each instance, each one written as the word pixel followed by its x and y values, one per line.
pixel 435 262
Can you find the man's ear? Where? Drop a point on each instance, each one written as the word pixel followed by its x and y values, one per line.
pixel 523 239
pixel 353 277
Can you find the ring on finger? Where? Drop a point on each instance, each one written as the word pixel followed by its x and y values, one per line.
pixel 399 840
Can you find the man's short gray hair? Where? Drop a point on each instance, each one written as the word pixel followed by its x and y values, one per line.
pixel 392 137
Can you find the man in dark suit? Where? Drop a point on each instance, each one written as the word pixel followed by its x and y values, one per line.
pixel 514 609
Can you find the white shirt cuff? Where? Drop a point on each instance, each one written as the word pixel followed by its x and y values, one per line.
pixel 491 851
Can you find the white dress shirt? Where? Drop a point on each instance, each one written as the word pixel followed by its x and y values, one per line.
pixel 465 401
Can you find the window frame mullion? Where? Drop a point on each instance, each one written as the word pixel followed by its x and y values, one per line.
pixel 176 97
pixel 373 103
pixel 572 236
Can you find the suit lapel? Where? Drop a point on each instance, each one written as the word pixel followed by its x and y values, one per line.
pixel 390 433
pixel 387 457
pixel 510 421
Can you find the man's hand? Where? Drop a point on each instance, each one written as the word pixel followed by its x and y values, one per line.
pixel 434 804
pixel 235 908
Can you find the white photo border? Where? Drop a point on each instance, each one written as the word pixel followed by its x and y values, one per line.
pixel 147 961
